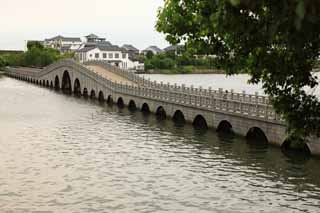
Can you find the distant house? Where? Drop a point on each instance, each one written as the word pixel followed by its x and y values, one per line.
pixel 131 50
pixel 92 38
pixel 154 49
pixel 63 44
pixel 174 48
pixel 110 53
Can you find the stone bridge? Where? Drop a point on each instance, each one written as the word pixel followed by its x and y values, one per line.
pixel 227 112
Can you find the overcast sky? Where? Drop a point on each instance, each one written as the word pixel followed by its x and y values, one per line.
pixel 120 21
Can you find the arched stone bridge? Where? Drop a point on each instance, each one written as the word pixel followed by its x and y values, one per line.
pixel 247 115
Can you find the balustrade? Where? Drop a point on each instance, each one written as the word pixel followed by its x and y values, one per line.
pixel 209 99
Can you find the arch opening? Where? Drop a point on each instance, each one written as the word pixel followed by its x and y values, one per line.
pixel 225 127
pixel 256 136
pixel 101 97
pixel 120 103
pixel 93 94
pixel 145 108
pixel 110 99
pixel 85 93
pixel 178 118
pixel 47 83
pixel 296 148
pixel 37 82
pixel 200 123
pixel 51 84
pixel 56 83
pixel 161 113
pixel 44 83
pixel 66 83
pixel 77 88
pixel 132 105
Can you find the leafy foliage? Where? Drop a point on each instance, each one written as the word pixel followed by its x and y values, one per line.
pixel 184 62
pixel 36 56
pixel 276 41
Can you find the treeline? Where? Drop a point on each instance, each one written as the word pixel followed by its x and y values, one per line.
pixel 184 62
pixel 36 56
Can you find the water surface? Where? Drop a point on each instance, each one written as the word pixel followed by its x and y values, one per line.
pixel 64 154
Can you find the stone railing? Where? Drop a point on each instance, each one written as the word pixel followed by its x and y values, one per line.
pixel 220 93
pixel 252 106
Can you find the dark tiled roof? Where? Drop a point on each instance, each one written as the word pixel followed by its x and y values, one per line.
pixel 129 47
pixel 171 48
pixel 154 48
pixel 92 36
pixel 102 48
pixel 59 37
pixel 111 48
pixel 86 49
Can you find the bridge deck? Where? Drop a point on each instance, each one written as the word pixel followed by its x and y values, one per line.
pixel 110 75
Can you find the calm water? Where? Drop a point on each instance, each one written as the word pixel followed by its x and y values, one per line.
pixel 238 83
pixel 63 154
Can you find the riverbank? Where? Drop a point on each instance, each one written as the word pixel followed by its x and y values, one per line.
pixel 183 71
pixel 192 71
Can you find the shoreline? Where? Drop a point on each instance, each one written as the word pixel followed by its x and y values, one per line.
pixel 177 72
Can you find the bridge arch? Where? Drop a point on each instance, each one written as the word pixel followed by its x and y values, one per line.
pixel 145 108
pixel 199 122
pixel 77 87
pixel 161 113
pixel 256 135
pixel 178 118
pixel 85 93
pixel 57 83
pixel 120 102
pixel 101 97
pixel 93 94
pixel 132 105
pixel 225 127
pixel 110 99
pixel 66 83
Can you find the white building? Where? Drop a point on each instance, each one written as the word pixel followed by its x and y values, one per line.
pixel 63 44
pixel 111 54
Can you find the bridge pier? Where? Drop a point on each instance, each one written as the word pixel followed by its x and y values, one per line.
pixel 232 113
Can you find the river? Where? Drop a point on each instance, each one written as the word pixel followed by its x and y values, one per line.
pixel 238 83
pixel 65 154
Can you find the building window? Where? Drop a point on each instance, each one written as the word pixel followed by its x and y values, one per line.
pixel 90 55
pixel 96 55
pixel 104 55
pixel 124 55
pixel 110 55
pixel 116 55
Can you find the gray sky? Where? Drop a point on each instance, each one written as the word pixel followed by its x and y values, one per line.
pixel 120 21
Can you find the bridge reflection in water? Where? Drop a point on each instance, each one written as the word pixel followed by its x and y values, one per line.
pixel 230 113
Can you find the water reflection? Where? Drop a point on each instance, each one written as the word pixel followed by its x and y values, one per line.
pixel 65 154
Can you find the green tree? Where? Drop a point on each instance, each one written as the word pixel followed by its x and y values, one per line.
pixel 2 62
pixel 149 54
pixel 276 41
pixel 34 44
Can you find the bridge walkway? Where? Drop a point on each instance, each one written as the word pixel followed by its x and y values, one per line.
pixel 110 75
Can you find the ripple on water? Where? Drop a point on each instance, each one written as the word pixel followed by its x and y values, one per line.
pixel 64 154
